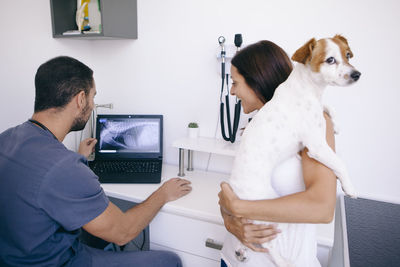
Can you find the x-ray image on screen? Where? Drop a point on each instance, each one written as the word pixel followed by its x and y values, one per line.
pixel 130 135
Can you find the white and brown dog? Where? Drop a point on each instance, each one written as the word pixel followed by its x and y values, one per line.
pixel 291 121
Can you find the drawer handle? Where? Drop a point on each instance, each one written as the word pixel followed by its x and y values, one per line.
pixel 210 243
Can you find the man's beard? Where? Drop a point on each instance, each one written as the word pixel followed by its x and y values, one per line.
pixel 80 122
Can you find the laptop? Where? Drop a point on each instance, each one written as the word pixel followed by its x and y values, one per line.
pixel 128 149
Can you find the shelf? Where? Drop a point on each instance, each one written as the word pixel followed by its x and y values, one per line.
pixel 116 19
pixel 208 145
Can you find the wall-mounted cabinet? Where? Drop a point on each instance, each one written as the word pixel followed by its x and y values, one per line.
pixel 108 19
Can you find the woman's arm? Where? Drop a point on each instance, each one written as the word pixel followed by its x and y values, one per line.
pixel 314 205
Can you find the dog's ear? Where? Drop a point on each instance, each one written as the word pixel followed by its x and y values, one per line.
pixel 304 53
pixel 341 38
pixel 344 40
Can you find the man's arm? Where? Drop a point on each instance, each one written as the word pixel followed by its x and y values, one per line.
pixel 118 227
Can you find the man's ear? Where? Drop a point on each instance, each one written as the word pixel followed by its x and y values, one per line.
pixel 303 54
pixel 80 99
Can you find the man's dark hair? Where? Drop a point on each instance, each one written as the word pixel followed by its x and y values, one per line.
pixel 58 80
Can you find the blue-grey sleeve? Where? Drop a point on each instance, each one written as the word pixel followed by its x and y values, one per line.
pixel 71 193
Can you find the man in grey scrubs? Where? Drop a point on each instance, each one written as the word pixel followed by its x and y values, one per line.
pixel 47 192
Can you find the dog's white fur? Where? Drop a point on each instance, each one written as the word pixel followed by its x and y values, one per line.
pixel 292 120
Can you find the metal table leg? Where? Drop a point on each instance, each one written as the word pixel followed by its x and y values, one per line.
pixel 181 162
pixel 190 160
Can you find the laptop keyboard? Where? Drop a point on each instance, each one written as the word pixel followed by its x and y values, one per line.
pixel 127 167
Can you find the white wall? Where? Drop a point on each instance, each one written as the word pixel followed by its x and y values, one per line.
pixel 172 69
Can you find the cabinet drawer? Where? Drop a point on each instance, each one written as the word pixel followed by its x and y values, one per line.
pixel 187 235
pixel 189 260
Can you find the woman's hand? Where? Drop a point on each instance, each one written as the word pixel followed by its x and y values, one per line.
pixel 228 199
pixel 251 235
pixel 86 147
pixel 175 188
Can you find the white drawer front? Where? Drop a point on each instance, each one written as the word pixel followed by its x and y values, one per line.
pixel 189 260
pixel 186 234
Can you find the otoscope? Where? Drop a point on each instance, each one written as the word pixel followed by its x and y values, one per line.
pixel 231 131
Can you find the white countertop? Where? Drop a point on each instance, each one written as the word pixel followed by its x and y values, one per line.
pixel 200 204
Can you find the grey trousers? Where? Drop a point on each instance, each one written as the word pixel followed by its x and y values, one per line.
pixel 88 256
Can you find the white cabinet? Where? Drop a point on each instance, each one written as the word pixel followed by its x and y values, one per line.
pixel 189 260
pixel 187 237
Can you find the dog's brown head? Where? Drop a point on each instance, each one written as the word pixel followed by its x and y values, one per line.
pixel 330 57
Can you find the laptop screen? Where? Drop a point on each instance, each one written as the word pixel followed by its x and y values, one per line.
pixel 128 136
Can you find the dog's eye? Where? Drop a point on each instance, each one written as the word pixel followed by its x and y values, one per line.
pixel 331 60
pixel 348 55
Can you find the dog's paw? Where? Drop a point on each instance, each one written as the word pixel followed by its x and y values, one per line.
pixel 241 253
pixel 351 194
pixel 349 190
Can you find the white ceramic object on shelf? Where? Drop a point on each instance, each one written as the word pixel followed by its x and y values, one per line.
pixel 193 132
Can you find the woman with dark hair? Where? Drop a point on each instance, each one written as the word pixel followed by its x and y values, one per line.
pixel 264 66
pixel 307 189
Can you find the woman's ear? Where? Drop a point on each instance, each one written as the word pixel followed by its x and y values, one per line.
pixel 303 54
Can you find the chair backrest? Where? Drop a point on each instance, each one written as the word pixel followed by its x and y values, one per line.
pixel 367 233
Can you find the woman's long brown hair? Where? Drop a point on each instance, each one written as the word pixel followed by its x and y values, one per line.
pixel 264 66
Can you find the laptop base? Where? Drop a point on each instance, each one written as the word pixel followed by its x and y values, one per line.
pixel 121 178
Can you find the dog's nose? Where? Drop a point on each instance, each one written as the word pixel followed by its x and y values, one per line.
pixel 355 75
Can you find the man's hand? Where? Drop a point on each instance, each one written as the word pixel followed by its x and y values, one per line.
pixel 175 188
pixel 86 147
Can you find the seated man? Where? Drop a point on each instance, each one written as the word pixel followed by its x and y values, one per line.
pixel 47 192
